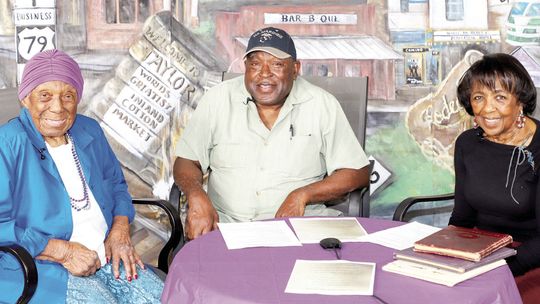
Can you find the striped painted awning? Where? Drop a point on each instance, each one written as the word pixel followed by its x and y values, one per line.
pixel 341 47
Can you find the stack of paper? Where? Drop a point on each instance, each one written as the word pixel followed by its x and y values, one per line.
pixel 437 275
pixel 450 263
pixel 452 255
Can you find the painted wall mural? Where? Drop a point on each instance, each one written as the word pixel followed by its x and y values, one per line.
pixel 146 64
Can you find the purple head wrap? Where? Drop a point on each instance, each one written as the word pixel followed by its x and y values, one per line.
pixel 49 66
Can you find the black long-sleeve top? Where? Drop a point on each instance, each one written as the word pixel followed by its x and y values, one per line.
pixel 497 189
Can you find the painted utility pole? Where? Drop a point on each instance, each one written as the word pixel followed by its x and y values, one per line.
pixel 35 29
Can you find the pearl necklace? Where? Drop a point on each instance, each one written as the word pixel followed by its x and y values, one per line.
pixel 75 203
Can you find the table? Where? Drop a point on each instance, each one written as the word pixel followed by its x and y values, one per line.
pixel 205 271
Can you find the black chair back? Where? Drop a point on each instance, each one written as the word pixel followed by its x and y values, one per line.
pixel 28 267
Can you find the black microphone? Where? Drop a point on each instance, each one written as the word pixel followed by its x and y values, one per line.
pixel 248 100
pixel 42 156
pixel 40 151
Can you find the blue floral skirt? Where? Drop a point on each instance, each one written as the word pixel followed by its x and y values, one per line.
pixel 103 288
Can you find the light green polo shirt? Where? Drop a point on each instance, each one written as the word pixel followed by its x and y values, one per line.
pixel 253 169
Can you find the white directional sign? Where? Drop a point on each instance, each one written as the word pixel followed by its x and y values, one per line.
pixel 35 29
pixel 379 176
pixel 34 40
pixel 34 16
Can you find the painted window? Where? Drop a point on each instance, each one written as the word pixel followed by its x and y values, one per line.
pixel 404 6
pixel 352 71
pixel 534 11
pixel 317 69
pixel 126 11
pixel 454 10
pixel 70 10
pixel 519 8
pixel 177 8
pixel 322 70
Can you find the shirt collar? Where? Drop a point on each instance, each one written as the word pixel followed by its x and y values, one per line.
pixel 28 124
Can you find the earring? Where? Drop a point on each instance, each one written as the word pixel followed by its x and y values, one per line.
pixel 475 124
pixel 521 120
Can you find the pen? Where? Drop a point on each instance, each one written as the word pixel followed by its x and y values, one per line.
pixel 291 130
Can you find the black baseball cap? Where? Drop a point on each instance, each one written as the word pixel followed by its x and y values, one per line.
pixel 273 41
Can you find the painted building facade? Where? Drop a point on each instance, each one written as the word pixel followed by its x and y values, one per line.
pixel 330 41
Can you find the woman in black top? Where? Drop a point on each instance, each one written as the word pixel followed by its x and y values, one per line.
pixel 496 163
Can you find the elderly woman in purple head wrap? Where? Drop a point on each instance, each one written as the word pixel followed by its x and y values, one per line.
pixel 63 197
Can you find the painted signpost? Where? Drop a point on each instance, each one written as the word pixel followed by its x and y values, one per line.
pixel 35 29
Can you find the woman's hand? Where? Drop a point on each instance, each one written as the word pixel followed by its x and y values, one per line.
pixel 81 261
pixel 75 257
pixel 118 248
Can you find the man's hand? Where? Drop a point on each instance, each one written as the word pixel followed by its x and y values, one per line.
pixel 118 247
pixel 339 183
pixel 75 257
pixel 294 204
pixel 202 216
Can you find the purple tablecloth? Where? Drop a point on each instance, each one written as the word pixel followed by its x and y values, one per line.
pixel 205 271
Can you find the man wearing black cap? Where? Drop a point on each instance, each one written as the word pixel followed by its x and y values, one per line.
pixel 274 145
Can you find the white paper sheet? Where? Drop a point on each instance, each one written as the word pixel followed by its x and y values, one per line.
pixel 313 230
pixel 331 278
pixel 401 237
pixel 258 234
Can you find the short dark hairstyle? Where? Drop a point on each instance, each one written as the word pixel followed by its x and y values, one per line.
pixel 508 71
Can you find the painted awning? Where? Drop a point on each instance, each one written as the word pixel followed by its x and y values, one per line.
pixel 341 47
